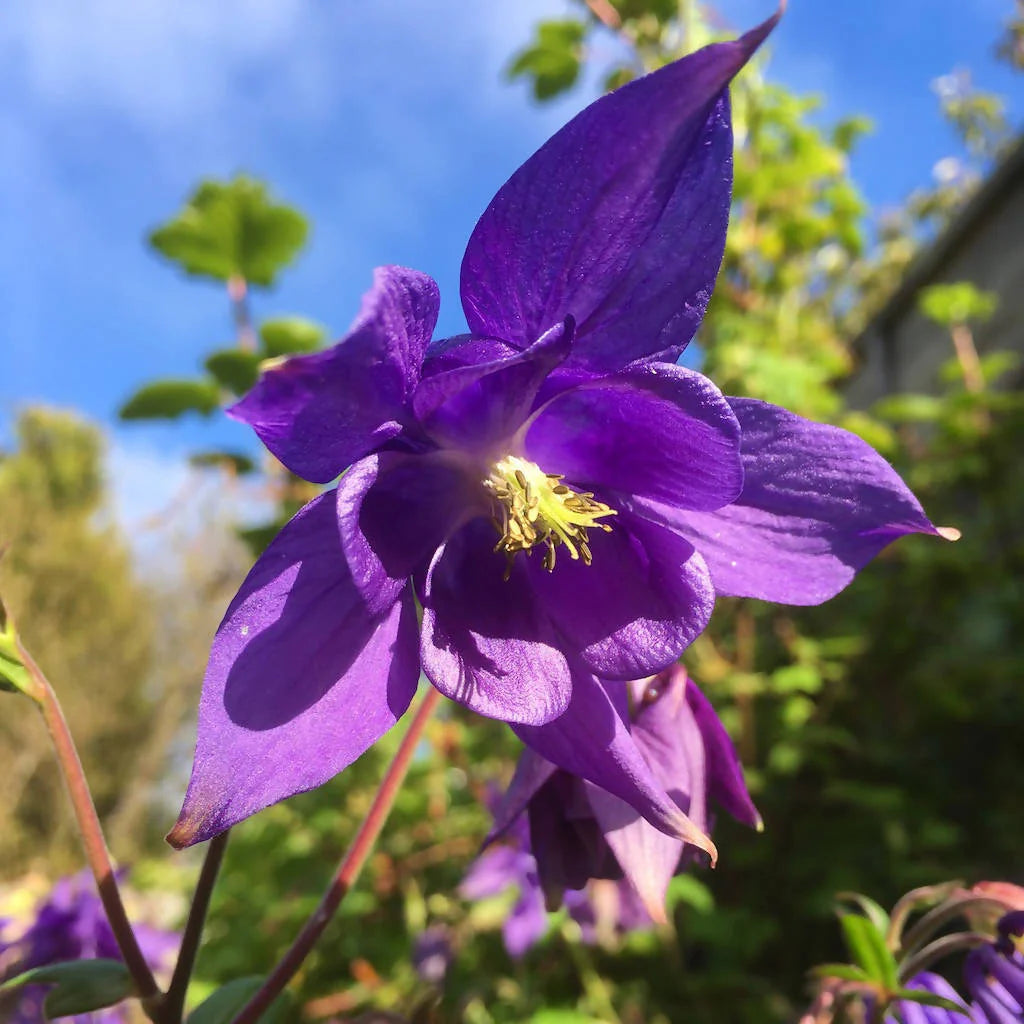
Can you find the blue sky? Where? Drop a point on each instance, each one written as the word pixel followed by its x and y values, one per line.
pixel 390 124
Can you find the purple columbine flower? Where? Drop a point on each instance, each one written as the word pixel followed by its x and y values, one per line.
pixel 70 924
pixel 560 497
pixel 994 974
pixel 579 831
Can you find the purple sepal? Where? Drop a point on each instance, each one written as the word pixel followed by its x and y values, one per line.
pixel 818 504
pixel 618 220
pixel 319 413
pixel 302 679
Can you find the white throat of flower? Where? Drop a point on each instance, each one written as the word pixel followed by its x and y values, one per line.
pixel 531 508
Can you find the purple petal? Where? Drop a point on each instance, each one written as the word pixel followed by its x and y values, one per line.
pixel 590 740
pixel 818 504
pixel 486 642
pixel 526 923
pixel 618 220
pixel 918 1013
pixel 641 603
pixel 395 510
pixel 648 857
pixel 658 431
pixel 532 771
pixel 302 679
pixel 726 784
pixel 566 839
pixel 320 413
pixel 477 404
pixel 493 872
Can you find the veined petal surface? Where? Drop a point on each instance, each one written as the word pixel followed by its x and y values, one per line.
pixel 319 413
pixel 655 430
pixel 487 642
pixel 640 604
pixel 618 220
pixel 302 679
pixel 817 505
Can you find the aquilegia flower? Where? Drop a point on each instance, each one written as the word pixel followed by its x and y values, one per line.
pixel 560 497
pixel 580 832
pixel 69 924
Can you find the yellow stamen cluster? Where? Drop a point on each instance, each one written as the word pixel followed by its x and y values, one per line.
pixel 533 508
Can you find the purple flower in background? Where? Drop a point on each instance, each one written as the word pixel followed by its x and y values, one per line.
pixel 918 1013
pixel 562 499
pixel 432 953
pixel 580 832
pixel 70 924
pixel 994 974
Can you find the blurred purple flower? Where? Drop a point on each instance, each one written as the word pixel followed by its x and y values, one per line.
pixel 994 974
pixel 70 924
pixel 917 1013
pixel 432 953
pixel 560 426
pixel 580 832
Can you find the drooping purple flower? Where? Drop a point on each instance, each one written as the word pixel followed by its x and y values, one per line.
pixel 432 953
pixel 579 831
pixel 918 1013
pixel 70 924
pixel 562 499
pixel 509 863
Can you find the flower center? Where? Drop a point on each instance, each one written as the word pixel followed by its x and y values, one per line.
pixel 532 507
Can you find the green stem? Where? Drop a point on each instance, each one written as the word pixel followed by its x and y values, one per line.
pixel 95 845
pixel 174 1002
pixel 348 870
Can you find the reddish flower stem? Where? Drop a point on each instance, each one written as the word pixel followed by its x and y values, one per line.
pixel 348 870
pixel 173 1004
pixel 95 845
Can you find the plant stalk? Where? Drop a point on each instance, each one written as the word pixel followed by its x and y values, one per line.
pixel 88 821
pixel 348 870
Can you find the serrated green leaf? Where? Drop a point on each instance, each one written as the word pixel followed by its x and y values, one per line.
pixel 169 399
pixel 290 335
pixel 957 303
pixel 234 369
pixel 80 985
pixel 232 228
pixel 552 63
pixel 844 972
pixel 236 461
pixel 910 408
pixel 224 1004
pixel 868 949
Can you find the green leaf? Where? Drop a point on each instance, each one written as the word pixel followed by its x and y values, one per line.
pixel 872 910
pixel 232 229
pixel 224 1004
pixel 80 985
pixel 552 63
pixel 287 335
pixel 844 972
pixel 237 462
pixel 234 369
pixel 916 995
pixel 868 949
pixel 556 1016
pixel 691 891
pixel 910 408
pixel 959 303
pixel 168 399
